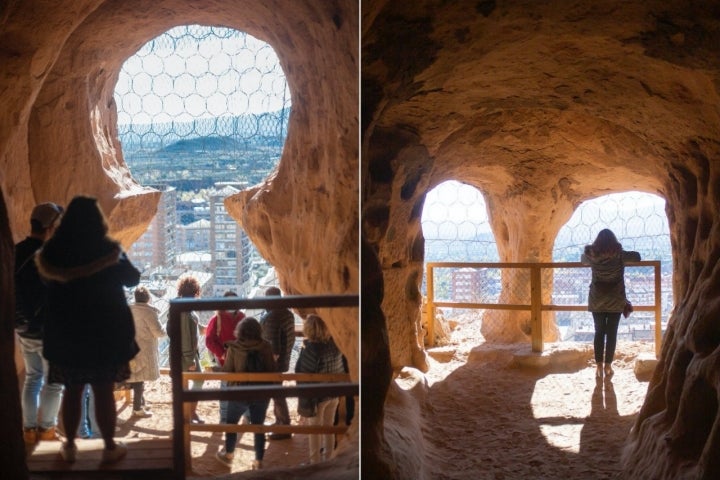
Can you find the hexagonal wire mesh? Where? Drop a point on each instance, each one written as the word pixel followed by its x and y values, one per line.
pixel 639 221
pixel 456 229
pixel 202 114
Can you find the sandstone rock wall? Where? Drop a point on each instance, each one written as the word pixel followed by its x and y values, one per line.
pixel 542 105
pixel 11 457
pixel 59 62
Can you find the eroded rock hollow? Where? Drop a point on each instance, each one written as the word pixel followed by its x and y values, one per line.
pixel 59 62
pixel 542 106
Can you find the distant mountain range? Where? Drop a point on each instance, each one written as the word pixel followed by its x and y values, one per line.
pixel 218 133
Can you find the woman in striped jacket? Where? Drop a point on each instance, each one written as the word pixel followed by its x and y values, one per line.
pixel 606 299
pixel 319 355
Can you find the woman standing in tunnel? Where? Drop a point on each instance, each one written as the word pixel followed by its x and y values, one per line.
pixel 606 299
pixel 89 335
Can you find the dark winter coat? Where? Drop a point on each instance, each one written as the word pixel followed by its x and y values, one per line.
pixel 607 287
pixel 30 290
pixel 278 327
pixel 89 322
pixel 189 335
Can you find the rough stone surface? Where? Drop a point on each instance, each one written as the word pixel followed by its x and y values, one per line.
pixel 542 105
pixel 59 62
pixel 645 366
pixel 11 457
pixel 442 354
pixel 557 357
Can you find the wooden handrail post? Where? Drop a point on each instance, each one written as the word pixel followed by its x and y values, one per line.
pixel 178 437
pixel 187 448
pixel 430 307
pixel 536 334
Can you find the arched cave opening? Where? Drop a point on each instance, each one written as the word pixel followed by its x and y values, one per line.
pixel 456 228
pixel 640 223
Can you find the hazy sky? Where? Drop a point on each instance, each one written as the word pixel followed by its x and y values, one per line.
pixel 200 72
pixel 454 210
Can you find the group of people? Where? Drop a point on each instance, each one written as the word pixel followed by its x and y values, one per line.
pixel 246 344
pixel 73 321
pixel 76 329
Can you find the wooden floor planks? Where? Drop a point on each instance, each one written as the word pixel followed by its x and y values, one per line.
pixel 144 455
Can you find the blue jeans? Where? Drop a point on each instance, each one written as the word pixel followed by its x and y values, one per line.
pixel 38 396
pixel 235 410
pixel 223 405
pixel 606 327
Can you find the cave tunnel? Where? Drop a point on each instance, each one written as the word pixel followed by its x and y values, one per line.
pixel 542 107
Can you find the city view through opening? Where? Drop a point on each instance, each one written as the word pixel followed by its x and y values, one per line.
pixel 202 114
pixel 456 229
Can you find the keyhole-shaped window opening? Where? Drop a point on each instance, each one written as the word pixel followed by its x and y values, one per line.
pixel 639 222
pixel 202 114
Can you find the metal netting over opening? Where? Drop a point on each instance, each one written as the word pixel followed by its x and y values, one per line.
pixel 456 229
pixel 215 97
pixel 639 221
pixel 455 225
pixel 202 114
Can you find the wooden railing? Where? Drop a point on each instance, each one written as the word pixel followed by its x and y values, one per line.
pixel 536 305
pixel 326 385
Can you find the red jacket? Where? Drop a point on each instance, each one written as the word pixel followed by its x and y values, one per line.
pixel 214 340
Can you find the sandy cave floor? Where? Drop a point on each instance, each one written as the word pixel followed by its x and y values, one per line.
pixel 204 445
pixel 491 421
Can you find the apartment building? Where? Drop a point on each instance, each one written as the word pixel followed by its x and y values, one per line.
pixel 230 247
pixel 157 246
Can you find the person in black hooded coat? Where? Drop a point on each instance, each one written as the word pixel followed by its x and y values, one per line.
pixel 89 333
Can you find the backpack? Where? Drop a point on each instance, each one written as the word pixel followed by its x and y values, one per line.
pixel 254 364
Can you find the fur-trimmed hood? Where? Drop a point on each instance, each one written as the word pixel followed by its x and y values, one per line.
pixel 80 246
pixel 63 274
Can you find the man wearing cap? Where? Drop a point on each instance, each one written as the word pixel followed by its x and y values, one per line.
pixel 39 405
